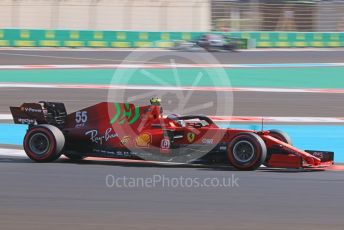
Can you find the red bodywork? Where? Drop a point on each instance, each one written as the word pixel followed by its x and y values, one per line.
pixel 150 123
pixel 119 129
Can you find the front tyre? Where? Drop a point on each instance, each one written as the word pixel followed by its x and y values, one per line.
pixel 44 143
pixel 247 151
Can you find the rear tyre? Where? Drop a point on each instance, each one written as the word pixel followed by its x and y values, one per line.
pixel 247 151
pixel 44 143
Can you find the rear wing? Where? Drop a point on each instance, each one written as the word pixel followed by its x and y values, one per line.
pixel 53 113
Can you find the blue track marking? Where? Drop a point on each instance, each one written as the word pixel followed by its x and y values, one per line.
pixel 12 134
pixel 312 137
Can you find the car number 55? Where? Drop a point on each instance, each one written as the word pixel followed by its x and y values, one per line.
pixel 81 116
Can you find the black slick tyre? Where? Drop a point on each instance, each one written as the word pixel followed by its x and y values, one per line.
pixel 247 151
pixel 44 143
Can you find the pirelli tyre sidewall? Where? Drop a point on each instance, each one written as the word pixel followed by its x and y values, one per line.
pixel 254 150
pixel 44 143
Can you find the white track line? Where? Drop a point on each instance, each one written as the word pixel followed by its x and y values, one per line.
pixel 158 65
pixel 12 152
pixel 5 117
pixel 278 119
pixel 15 153
pixel 170 88
pixel 254 119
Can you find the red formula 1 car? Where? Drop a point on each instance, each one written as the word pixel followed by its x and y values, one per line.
pixel 122 130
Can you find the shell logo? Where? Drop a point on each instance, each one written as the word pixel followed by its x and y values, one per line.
pixel 125 140
pixel 143 140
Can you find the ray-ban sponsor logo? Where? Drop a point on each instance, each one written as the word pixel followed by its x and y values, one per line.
pixel 102 138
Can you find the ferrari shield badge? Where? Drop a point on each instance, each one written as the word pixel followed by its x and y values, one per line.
pixel 191 137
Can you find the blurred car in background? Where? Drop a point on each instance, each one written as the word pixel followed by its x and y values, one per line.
pixel 210 43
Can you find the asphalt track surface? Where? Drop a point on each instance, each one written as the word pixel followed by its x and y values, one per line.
pixel 66 195
pixel 42 57
pixel 244 103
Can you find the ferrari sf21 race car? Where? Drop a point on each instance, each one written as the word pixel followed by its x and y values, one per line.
pixel 128 131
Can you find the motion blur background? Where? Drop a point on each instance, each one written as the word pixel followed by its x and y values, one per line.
pixel 174 15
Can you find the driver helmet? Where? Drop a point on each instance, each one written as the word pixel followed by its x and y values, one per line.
pixel 155 101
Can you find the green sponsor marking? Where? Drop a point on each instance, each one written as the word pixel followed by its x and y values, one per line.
pixel 126 115
pixel 117 114
pixel 137 114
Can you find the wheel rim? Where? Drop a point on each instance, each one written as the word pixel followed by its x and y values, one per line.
pixel 243 151
pixel 39 143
